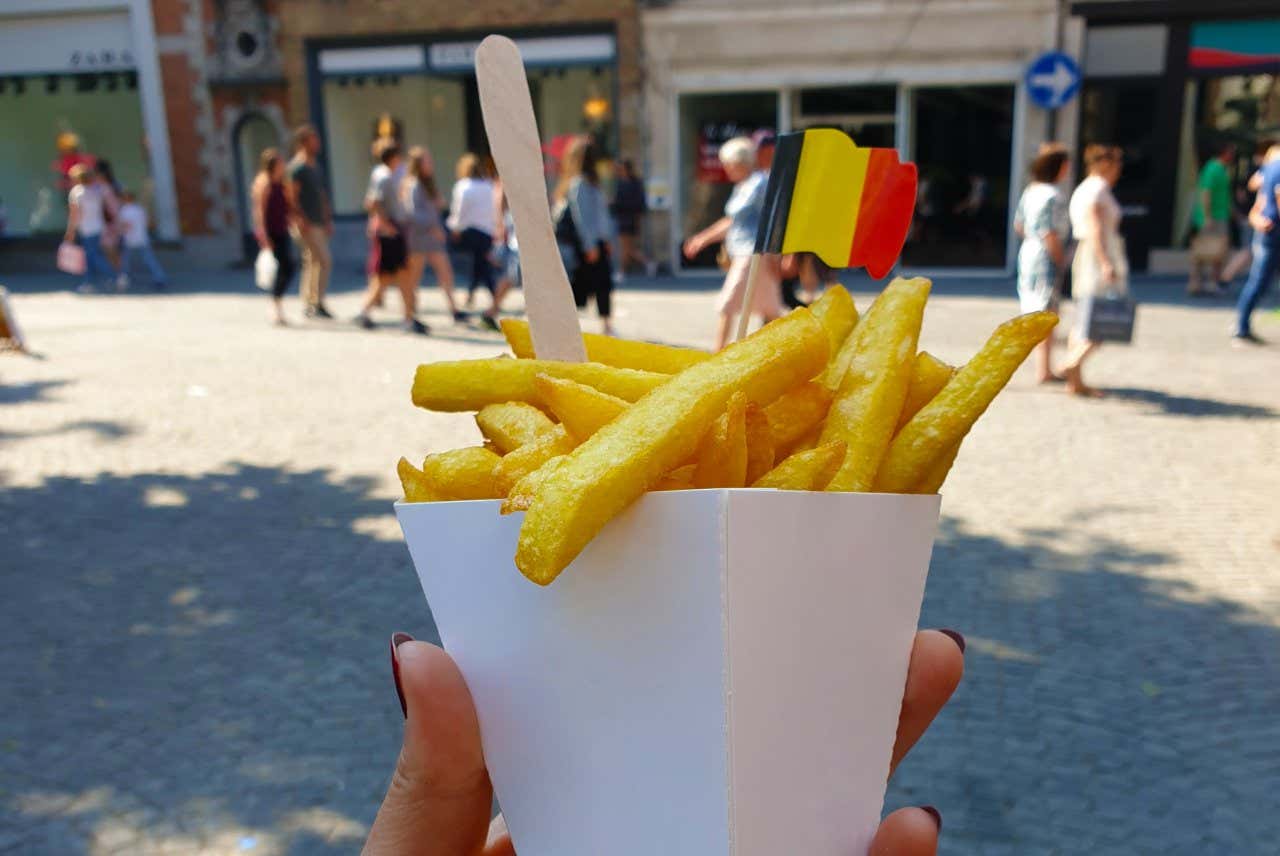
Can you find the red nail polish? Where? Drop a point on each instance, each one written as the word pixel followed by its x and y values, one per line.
pixel 398 639
pixel 935 814
pixel 955 637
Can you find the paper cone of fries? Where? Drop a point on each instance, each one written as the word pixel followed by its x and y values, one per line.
pixel 719 671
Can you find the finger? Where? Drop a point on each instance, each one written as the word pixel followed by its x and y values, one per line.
pixel 499 842
pixel 937 664
pixel 439 797
pixel 908 832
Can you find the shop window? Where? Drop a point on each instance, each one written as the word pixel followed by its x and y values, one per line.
pixel 962 145
pixel 868 114
pixel 707 121
pixel 102 110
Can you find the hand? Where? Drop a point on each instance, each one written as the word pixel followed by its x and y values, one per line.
pixel 439 798
pixel 693 246
pixel 1108 272
pixel 263 242
pixel 592 255
pixel 1262 223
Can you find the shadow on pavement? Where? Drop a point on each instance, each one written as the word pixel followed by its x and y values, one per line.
pixel 105 430
pixel 35 390
pixel 201 662
pixel 1187 405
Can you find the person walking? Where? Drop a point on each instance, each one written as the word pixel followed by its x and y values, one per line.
pixel 737 229
pixel 1265 219
pixel 137 242
pixel 1100 265
pixel 427 241
pixel 1210 217
pixel 313 219
pixel 1246 196
pixel 471 220
pixel 1041 222
pixel 508 256
pixel 584 228
pixel 629 207
pixel 271 225
pixel 86 220
pixel 387 226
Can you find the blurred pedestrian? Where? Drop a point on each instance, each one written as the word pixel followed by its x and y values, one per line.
pixel 313 219
pixel 105 178
pixel 1041 221
pixel 271 225
pixel 508 256
pixel 137 242
pixel 70 156
pixel 1100 266
pixel 389 264
pixel 737 229
pixel 1210 218
pixel 629 207
pixel 428 243
pixel 584 228
pixel 1265 219
pixel 471 221
pixel 1246 196
pixel 86 219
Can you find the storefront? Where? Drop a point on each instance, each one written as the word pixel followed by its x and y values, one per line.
pixel 1170 81
pixel 926 81
pixel 423 90
pixel 84 74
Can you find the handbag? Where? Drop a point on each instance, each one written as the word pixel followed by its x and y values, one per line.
pixel 265 268
pixel 1210 245
pixel 1108 318
pixel 71 259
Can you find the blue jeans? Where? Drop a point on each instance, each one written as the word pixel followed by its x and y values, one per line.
pixel 1266 263
pixel 95 260
pixel 148 257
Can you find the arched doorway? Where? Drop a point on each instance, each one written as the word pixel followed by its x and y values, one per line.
pixel 252 133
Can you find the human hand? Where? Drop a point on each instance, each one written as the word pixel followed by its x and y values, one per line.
pixel 1108 272
pixel 693 246
pixel 439 799
pixel 592 255
pixel 1261 223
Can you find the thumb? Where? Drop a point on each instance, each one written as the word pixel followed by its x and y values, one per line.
pixel 439 798
pixel 908 832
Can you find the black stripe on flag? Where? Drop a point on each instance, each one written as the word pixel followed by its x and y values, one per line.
pixel 777 194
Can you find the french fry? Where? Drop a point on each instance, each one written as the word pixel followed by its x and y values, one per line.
pixel 945 420
pixel 722 454
pixel 760 449
pixel 417 488
pixel 581 409
pixel 614 467
pixel 523 491
pixel 837 312
pixel 797 412
pixel 866 407
pixel 623 353
pixel 808 470
pixel 472 384
pixel 928 376
pixel 517 464
pixel 937 472
pixel 465 473
pixel 512 424
pixel 681 478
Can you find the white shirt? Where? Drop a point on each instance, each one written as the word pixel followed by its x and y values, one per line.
pixel 89 198
pixel 1094 190
pixel 134 219
pixel 472 206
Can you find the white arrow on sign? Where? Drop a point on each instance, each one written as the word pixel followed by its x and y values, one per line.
pixel 1057 82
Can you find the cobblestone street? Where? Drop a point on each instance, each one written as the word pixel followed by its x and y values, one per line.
pixel 201 570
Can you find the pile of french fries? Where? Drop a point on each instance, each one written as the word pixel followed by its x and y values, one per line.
pixel 817 400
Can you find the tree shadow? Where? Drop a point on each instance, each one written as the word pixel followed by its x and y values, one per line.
pixel 33 390
pixel 106 430
pixel 1103 710
pixel 1188 405
pixel 190 660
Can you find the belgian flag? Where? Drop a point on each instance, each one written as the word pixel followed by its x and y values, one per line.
pixel 849 205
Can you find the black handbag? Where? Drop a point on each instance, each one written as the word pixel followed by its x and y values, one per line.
pixel 1107 318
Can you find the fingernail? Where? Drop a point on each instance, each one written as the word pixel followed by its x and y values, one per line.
pixel 955 637
pixel 933 812
pixel 398 639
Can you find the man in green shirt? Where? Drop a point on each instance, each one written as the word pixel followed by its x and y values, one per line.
pixel 312 219
pixel 1210 216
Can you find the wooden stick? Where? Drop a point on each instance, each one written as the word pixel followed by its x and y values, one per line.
pixel 513 139
pixel 744 320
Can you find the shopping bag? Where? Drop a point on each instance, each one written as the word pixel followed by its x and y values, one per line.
pixel 1108 318
pixel 71 259
pixel 264 270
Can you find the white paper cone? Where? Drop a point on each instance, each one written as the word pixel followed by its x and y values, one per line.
pixel 718 674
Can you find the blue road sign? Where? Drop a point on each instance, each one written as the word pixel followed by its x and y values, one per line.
pixel 1053 80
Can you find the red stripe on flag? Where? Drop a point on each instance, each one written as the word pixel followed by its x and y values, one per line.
pixel 884 213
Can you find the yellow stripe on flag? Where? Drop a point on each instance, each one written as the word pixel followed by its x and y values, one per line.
pixel 828 191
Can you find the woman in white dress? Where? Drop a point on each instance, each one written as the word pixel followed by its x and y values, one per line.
pixel 1041 222
pixel 1100 265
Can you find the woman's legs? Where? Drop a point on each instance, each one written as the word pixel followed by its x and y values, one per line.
pixel 1044 362
pixel 723 325
pixel 602 282
pixel 443 270
pixel 284 272
pixel 1078 350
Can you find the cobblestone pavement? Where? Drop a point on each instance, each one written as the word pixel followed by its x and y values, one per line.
pixel 200 572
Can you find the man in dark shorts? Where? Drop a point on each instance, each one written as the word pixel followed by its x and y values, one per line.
pixel 389 256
